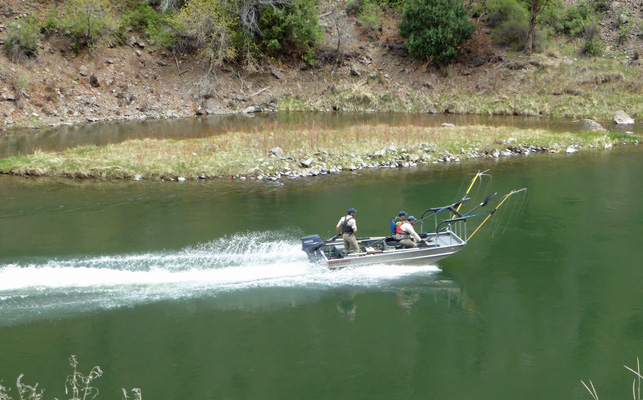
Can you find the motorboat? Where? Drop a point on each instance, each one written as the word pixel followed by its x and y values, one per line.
pixel 448 236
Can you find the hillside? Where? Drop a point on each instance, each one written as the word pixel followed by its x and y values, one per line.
pixel 354 70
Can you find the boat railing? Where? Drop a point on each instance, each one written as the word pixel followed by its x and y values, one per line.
pixel 457 226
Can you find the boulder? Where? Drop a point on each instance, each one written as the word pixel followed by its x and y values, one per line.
pixel 251 109
pixel 590 125
pixel 621 118
pixel 211 106
pixel 277 151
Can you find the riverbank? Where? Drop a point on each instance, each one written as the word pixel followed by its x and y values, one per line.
pixel 354 70
pixel 274 154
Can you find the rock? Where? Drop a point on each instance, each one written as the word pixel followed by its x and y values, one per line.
pixel 276 74
pixel 307 163
pixel 620 118
pixel 355 71
pixel 277 151
pixel 447 125
pixel 7 95
pixel 251 109
pixel 93 81
pixel 571 149
pixel 83 70
pixel 590 125
pixel 211 106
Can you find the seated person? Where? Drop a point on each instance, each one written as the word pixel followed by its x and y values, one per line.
pixel 406 234
pixel 401 217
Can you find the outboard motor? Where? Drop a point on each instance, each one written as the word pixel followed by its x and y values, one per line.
pixel 311 244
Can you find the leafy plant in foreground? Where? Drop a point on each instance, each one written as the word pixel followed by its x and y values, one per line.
pixel 77 384
pixel 636 384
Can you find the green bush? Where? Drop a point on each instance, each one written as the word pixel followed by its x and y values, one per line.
pixel 370 17
pixel 512 34
pixel 294 27
pixel 511 21
pixel 51 23
pixel 149 22
pixel 434 29
pixel 354 7
pixel 88 22
pixel 577 17
pixel 23 39
pixel 506 10
pixel 593 46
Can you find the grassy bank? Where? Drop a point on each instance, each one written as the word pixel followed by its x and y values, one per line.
pixel 556 84
pixel 298 152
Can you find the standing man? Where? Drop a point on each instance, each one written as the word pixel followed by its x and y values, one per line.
pixel 347 226
pixel 406 234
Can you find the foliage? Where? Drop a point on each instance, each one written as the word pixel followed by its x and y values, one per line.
pixel 51 24
pixel 151 23
pixel 295 25
pixel 211 27
pixel 506 10
pixel 623 34
pixel 145 19
pixel 593 46
pixel 23 39
pixel 88 21
pixel 575 18
pixel 435 28
pixel 354 7
pixel 370 16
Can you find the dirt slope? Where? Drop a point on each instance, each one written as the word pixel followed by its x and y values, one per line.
pixel 139 80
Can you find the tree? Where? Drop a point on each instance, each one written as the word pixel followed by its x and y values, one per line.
pixel 529 43
pixel 88 21
pixel 435 28
pixel 211 26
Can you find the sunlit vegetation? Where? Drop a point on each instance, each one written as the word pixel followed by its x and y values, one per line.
pixel 305 148
pixel 77 385
pixel 246 31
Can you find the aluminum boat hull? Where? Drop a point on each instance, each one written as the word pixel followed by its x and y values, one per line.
pixel 383 250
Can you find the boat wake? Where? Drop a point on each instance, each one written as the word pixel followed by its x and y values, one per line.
pixel 247 262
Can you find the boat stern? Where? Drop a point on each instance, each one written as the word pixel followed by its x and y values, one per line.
pixel 311 245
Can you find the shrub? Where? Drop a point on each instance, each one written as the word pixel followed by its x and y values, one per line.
pixel 23 39
pixel 576 17
pixel 210 27
pixel 435 28
pixel 506 10
pixel 370 17
pixel 354 7
pixel 294 26
pixel 88 21
pixel 151 23
pixel 593 46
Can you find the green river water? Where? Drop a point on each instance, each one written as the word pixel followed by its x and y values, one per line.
pixel 199 290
